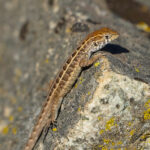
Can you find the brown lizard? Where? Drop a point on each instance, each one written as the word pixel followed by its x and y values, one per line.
pixel 83 56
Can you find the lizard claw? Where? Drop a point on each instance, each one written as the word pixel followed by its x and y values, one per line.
pixel 53 124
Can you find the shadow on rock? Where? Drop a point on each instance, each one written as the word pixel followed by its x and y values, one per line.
pixel 115 49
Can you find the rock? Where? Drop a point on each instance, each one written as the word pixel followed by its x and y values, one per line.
pixel 109 105
pixel 114 115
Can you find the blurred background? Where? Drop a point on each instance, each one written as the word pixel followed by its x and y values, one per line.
pixel 37 36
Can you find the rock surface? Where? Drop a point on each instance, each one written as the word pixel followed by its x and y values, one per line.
pixel 109 106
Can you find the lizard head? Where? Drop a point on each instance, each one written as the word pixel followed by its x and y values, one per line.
pixel 98 39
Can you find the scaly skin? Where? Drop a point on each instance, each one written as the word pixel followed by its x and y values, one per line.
pixel 70 71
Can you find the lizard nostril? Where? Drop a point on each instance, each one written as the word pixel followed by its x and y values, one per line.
pixel 107 37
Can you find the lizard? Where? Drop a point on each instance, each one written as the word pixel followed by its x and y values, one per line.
pixel 82 57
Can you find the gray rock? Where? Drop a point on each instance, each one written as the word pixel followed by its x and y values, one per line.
pixel 108 107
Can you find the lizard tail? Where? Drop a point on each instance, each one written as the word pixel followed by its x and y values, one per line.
pixel 34 135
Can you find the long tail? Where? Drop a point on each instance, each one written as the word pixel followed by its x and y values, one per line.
pixel 35 135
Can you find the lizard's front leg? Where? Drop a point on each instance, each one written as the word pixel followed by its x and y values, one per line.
pixel 85 61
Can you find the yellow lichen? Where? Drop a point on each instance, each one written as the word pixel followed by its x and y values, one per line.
pixel 101 131
pixel 76 85
pixel 5 130
pixel 11 118
pixel 147 104
pixel 100 145
pixel 137 70
pixel 147 114
pixel 147 141
pixel 54 129
pixel 110 123
pixel 104 148
pixel 89 93
pixel 19 109
pixel 145 136
pixel 143 26
pixel 132 132
pixel 129 123
pixel 81 80
pixel 79 109
pixel 119 143
pixel 96 64
pixel 112 143
pixel 147 29
pixel 14 130
pixel 46 61
pixel 99 117
pixel 68 30
pixel 106 141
